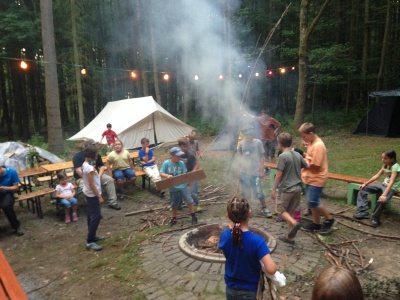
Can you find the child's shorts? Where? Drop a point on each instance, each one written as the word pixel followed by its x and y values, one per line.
pixel 176 197
pixel 68 203
pixel 288 201
pixel 121 174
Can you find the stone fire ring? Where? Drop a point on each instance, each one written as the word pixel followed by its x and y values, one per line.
pixel 202 255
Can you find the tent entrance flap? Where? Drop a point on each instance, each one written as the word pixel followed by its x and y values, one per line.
pixel 382 119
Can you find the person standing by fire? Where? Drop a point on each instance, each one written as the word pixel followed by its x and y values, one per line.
pixel 268 130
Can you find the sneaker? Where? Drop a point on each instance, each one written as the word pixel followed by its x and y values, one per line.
pixel 285 239
pixel 375 223
pixel 19 231
pixel 115 206
pixel 266 212
pixel 197 208
pixel 67 219
pixel 172 222
pixel 194 220
pixel 292 233
pixel 93 246
pixel 311 227
pixel 75 217
pixel 328 226
pixel 99 238
pixel 361 215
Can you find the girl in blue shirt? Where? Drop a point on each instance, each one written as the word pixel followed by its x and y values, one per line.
pixel 243 251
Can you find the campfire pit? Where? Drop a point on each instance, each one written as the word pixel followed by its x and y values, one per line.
pixel 202 243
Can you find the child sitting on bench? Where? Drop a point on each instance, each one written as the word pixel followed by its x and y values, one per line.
pixel 65 191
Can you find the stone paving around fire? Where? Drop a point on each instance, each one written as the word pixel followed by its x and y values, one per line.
pixel 177 276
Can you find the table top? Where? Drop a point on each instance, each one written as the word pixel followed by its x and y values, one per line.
pixel 58 166
pixel 32 172
pixel 69 165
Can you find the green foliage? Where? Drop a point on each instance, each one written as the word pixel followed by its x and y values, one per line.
pixel 206 126
pixel 38 140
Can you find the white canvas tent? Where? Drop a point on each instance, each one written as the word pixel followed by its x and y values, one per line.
pixel 135 118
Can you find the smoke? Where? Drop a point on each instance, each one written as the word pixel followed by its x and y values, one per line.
pixel 196 43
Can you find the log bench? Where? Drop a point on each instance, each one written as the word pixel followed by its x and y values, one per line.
pixel 353 185
pixel 10 288
pixel 33 200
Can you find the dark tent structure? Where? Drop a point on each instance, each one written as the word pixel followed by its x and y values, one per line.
pixel 384 117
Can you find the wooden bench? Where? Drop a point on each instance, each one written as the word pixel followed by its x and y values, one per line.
pixel 10 288
pixel 33 198
pixel 353 185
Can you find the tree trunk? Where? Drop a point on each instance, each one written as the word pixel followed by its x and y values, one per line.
pixel 54 129
pixel 305 32
pixel 364 63
pixel 154 62
pixel 77 68
pixel 384 46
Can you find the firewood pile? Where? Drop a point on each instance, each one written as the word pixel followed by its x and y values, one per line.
pixel 212 193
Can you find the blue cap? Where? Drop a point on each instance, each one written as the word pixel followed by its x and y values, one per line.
pixel 176 151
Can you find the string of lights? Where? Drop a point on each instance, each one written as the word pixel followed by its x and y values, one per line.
pixel 134 74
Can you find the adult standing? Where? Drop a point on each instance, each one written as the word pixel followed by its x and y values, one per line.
pixel 8 186
pixel 106 181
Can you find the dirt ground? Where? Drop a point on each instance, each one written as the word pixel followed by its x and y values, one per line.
pixel 51 261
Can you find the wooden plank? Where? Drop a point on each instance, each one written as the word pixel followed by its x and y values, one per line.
pixel 34 194
pixel 9 281
pixel 181 179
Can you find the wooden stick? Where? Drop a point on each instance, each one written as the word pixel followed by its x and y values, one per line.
pixel 145 210
pixel 179 229
pixel 340 211
pixel 390 237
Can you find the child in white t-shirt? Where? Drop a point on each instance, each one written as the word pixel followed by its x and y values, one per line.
pixel 65 191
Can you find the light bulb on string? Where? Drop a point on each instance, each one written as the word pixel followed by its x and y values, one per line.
pixel 133 75
pixel 196 77
pixel 166 77
pixel 293 68
pixel 270 73
pixel 83 71
pixel 23 65
pixel 257 74
pixel 240 75
pixel 221 77
pixel 282 70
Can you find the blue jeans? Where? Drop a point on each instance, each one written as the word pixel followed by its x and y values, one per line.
pixel 65 203
pixel 251 185
pixel 313 194
pixel 194 192
pixel 232 294
pixel 121 174
pixel 93 217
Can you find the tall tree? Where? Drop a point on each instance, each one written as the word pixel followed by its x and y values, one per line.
pixel 305 32
pixel 54 129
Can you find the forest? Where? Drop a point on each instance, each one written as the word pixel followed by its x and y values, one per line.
pixel 198 58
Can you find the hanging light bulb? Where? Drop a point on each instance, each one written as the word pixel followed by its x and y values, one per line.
pixel 133 75
pixel 257 74
pixel 166 77
pixel 282 70
pixel 196 77
pixel 83 71
pixel 23 65
pixel 221 77
pixel 240 75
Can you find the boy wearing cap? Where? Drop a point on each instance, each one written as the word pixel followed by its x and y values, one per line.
pixel 252 167
pixel 174 167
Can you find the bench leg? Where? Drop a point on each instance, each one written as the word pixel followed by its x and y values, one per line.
pixel 352 192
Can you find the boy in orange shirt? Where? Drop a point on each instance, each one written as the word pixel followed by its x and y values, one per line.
pixel 315 178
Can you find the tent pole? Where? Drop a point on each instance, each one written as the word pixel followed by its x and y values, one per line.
pixel 154 130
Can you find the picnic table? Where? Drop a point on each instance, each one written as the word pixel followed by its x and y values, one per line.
pixel 10 288
pixel 26 177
